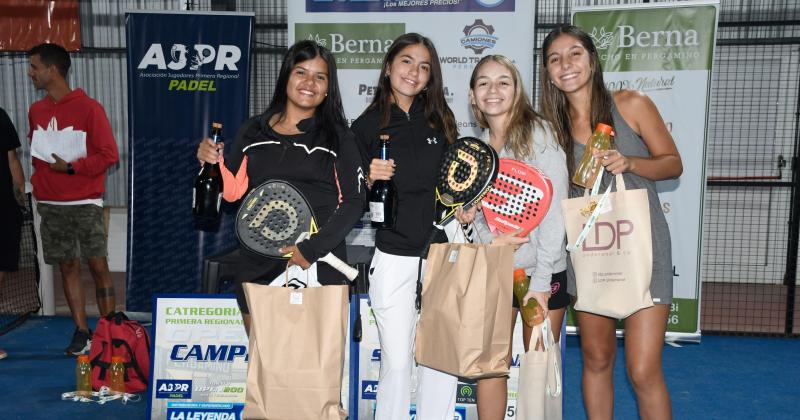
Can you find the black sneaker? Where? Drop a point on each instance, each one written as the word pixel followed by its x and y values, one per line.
pixel 81 342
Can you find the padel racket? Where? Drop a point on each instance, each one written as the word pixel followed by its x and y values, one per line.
pixel 276 215
pixel 519 198
pixel 468 168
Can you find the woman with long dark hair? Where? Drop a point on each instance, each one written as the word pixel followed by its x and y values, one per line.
pixel 409 106
pixel 575 99
pixel 301 138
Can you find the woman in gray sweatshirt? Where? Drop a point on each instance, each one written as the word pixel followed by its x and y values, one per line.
pixel 516 131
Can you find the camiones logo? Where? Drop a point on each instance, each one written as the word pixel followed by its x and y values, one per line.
pixel 355 45
pixel 478 37
pixel 490 3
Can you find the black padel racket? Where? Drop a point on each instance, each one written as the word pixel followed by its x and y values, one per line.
pixel 466 173
pixel 276 215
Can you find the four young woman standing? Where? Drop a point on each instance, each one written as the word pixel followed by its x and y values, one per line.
pixel 409 106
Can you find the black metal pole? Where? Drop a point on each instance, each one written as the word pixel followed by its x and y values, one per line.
pixel 790 278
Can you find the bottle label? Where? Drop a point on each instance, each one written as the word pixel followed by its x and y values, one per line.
pixel 376 211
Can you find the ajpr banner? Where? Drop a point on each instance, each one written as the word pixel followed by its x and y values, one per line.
pixel 666 50
pixel 185 71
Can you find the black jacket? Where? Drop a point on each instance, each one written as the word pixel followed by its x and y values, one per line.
pixel 417 151
pixel 305 161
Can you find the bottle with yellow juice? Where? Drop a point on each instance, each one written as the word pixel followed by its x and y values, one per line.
pixel 532 313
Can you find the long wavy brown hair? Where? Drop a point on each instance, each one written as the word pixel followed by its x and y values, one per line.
pixel 555 105
pixel 523 116
pixel 437 113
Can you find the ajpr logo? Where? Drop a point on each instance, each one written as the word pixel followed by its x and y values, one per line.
pixel 627 36
pixel 224 57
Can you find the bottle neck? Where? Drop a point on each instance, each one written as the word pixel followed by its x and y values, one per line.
pixel 384 151
pixel 216 136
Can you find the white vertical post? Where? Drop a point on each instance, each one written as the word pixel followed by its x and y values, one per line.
pixel 46 289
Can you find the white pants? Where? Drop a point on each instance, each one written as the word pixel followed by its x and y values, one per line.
pixel 393 291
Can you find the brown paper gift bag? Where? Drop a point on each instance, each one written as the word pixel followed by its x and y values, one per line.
pixel 539 394
pixel 297 344
pixel 464 327
pixel 613 261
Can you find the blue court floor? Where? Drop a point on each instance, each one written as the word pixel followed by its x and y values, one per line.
pixel 724 378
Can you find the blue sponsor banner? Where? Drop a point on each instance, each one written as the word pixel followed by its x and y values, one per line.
pixel 340 6
pixel 198 411
pixel 185 71
pixel 174 388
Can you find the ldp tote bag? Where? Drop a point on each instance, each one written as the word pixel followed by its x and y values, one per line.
pixel 297 344
pixel 464 327
pixel 539 394
pixel 611 250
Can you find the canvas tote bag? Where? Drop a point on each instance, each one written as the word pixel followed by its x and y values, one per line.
pixel 297 344
pixel 611 249
pixel 464 327
pixel 539 394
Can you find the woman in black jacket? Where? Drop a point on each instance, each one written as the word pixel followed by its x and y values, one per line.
pixel 410 107
pixel 303 139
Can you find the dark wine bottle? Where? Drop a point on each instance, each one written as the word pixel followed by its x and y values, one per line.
pixel 207 193
pixel 383 196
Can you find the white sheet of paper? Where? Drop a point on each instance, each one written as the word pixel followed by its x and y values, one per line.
pixel 69 145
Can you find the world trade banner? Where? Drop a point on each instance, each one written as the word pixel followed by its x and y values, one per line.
pixel 185 71
pixel 666 50
pixel 463 31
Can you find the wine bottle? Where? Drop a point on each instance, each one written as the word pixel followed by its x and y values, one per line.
pixel 383 196
pixel 207 193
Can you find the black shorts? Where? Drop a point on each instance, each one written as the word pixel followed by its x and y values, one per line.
pixel 558 292
pixel 10 235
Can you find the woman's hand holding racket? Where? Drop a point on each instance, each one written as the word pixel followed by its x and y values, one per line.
pixel 208 151
pixel 466 216
pixel 296 258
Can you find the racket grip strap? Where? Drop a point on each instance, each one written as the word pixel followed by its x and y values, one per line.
pixel 350 272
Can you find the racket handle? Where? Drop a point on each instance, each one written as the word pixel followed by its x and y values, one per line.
pixel 333 261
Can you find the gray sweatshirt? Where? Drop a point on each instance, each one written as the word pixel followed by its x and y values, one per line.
pixel 545 254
